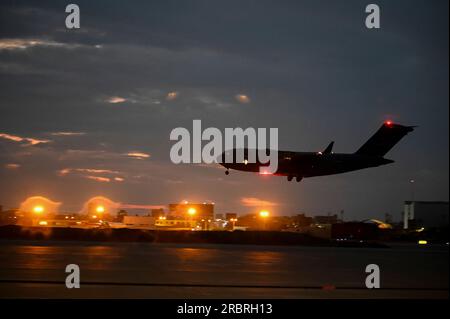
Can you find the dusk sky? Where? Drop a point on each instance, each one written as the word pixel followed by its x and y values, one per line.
pixel 88 112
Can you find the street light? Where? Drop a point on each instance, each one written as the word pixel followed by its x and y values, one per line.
pixel 100 209
pixel 38 209
pixel 264 214
pixel 191 212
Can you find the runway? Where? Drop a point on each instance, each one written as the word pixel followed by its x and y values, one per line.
pixel 34 269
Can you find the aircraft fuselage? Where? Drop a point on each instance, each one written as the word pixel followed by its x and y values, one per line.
pixel 309 164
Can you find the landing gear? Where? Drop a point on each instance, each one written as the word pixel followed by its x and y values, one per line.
pixel 227 172
pixel 297 178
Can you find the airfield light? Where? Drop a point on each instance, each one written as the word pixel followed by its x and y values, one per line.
pixel 100 209
pixel 264 214
pixel 38 209
pixel 192 211
pixel 423 242
pixel 43 223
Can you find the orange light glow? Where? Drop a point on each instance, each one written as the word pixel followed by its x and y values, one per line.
pixel 39 205
pixel 264 214
pixel 192 211
pixel 99 205
pixel 100 209
pixel 38 209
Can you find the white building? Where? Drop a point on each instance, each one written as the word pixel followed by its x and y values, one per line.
pixel 419 214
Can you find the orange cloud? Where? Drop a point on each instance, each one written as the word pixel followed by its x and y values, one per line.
pixel 242 98
pixel 66 171
pixel 171 96
pixel 11 137
pixel 67 133
pixel 96 171
pixel 22 44
pixel 99 179
pixel 138 155
pixel 116 100
pixel 20 139
pixel 12 166
pixel 34 141
pixel 256 202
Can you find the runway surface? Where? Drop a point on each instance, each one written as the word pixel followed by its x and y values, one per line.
pixel 34 269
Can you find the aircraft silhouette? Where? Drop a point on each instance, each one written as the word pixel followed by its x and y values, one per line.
pixel 308 164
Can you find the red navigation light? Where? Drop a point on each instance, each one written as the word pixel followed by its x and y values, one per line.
pixel 388 123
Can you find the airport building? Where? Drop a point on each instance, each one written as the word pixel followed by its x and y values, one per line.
pixel 176 224
pixel 192 211
pixel 425 214
pixel 139 222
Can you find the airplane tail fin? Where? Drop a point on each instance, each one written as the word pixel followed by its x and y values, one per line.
pixel 384 139
pixel 329 148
